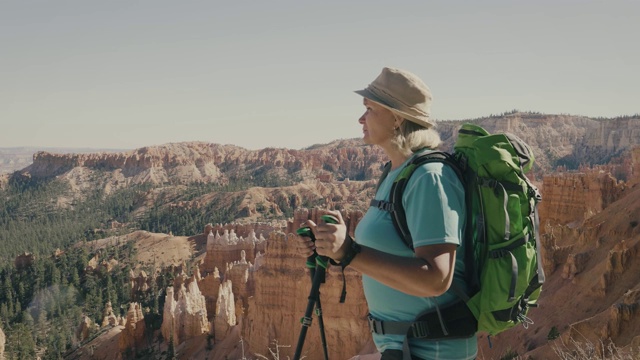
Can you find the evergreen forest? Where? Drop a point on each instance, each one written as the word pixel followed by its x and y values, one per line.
pixel 46 288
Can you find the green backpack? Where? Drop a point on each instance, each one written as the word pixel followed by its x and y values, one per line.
pixel 503 270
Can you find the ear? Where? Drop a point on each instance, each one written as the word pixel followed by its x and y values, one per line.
pixel 398 120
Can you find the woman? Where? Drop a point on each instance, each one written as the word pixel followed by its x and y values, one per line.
pixel 400 283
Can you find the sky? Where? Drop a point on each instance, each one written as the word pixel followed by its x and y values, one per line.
pixel 281 73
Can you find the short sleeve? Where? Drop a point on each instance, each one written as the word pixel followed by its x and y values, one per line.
pixel 434 205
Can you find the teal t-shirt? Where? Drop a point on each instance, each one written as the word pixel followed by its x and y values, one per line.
pixel 435 210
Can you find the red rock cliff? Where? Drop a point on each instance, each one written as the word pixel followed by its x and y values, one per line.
pixel 202 162
pixel 577 196
pixel 281 297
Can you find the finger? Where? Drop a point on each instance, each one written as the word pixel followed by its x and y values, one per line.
pixel 300 239
pixel 324 228
pixel 307 252
pixel 320 250
pixel 336 214
pixel 309 223
pixel 305 246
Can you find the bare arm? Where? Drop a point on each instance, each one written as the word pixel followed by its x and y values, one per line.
pixel 428 274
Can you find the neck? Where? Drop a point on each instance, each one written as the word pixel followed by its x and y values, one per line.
pixel 397 157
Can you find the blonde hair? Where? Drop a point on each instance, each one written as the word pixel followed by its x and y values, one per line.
pixel 411 137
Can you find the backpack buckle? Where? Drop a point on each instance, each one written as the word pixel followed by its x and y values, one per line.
pixel 386 206
pixel 419 329
pixel 375 326
pixel 382 205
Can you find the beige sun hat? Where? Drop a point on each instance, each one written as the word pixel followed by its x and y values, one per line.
pixel 403 93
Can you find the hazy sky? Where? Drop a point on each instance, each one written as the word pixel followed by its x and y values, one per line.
pixel 127 74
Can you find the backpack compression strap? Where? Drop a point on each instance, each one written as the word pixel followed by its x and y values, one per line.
pixel 536 221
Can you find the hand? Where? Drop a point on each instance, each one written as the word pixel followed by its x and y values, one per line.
pixel 305 244
pixel 330 238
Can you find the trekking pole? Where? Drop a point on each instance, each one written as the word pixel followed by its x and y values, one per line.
pixel 317 268
pixel 318 277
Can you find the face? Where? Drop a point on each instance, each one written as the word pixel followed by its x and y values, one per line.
pixel 377 122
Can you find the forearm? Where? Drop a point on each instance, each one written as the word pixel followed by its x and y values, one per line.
pixel 413 276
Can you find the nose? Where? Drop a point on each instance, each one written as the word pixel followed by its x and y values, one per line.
pixel 361 119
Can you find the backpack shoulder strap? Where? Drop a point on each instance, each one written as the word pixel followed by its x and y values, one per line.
pixel 385 172
pixel 394 205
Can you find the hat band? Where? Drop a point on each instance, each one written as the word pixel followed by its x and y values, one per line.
pixel 395 103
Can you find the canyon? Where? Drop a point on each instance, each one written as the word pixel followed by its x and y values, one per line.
pixel 241 288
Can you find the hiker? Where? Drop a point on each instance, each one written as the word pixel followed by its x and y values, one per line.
pixel 401 283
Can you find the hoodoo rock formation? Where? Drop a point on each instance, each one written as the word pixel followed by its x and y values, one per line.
pixel 184 313
pixel 85 327
pixel 221 248
pixel 108 317
pixel 133 334
pixel 209 287
pixel 139 283
pixel 225 315
pixel 267 299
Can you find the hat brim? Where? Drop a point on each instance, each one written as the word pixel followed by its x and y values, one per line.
pixel 420 120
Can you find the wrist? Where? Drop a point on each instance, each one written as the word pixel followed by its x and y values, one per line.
pixel 353 249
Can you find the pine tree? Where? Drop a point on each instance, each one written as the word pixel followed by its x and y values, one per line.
pixel 20 344
pixel 171 351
